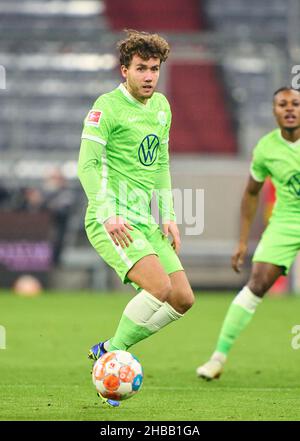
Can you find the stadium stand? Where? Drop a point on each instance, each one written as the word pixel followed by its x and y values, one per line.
pixel 167 16
pixel 201 118
pixel 44 107
pixel 266 19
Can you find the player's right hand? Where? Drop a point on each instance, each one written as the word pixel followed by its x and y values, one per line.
pixel 118 228
pixel 238 257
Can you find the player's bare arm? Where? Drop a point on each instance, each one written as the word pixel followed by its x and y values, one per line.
pixel 248 210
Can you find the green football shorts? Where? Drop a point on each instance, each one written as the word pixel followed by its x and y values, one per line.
pixel 279 245
pixel 147 239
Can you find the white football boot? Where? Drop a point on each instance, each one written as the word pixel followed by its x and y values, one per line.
pixel 213 368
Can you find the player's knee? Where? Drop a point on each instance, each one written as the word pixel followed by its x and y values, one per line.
pixel 162 290
pixel 188 300
pixel 184 301
pixel 258 284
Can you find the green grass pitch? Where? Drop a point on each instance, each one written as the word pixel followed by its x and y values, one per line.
pixel 45 373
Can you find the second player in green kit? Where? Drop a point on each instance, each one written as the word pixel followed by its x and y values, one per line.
pixel 279 158
pixel 277 155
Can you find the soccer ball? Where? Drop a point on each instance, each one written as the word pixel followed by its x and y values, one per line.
pixel 117 375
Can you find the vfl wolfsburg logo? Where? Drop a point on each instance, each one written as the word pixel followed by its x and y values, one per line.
pixel 294 185
pixel 148 150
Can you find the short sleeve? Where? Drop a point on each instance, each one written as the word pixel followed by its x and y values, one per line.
pixel 98 122
pixel 258 168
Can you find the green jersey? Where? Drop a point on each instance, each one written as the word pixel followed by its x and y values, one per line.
pixel 124 157
pixel 280 160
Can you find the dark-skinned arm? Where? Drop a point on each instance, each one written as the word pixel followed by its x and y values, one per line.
pixel 249 206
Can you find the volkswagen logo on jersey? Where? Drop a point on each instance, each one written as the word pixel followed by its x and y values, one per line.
pixel 294 185
pixel 148 150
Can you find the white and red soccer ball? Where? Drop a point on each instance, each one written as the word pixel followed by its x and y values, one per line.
pixel 117 375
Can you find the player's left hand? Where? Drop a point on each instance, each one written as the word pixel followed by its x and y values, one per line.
pixel 170 227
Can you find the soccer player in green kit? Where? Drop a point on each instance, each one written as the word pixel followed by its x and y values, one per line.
pixel 123 160
pixel 276 155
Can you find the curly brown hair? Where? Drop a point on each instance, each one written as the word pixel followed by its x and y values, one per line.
pixel 144 45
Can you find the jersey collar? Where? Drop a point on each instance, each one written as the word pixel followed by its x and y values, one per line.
pixel 295 144
pixel 128 95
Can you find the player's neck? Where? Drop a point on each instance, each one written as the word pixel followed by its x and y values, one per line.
pixel 141 100
pixel 290 135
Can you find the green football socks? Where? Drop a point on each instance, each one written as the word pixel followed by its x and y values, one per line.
pixel 238 316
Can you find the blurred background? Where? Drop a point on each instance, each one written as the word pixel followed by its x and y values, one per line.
pixel 227 59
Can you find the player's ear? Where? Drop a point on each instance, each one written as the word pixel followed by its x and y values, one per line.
pixel 124 71
pixel 273 108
